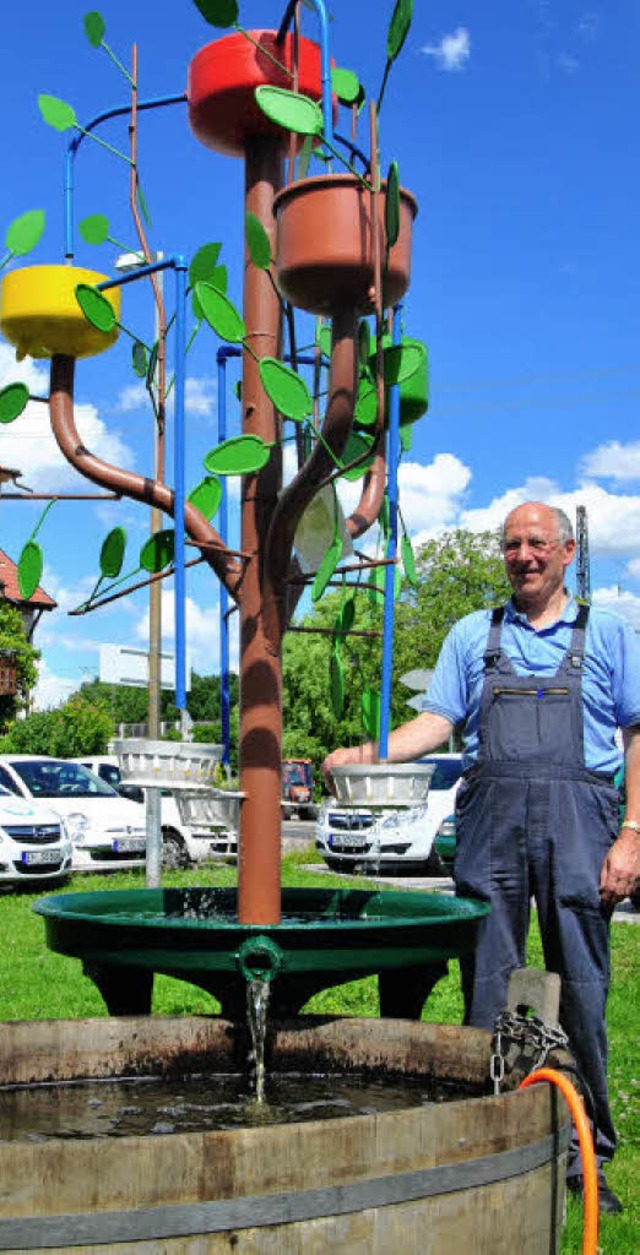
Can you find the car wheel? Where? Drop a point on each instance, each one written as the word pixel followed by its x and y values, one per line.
pixel 174 852
pixel 635 899
pixel 434 866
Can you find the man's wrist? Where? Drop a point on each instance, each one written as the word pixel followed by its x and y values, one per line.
pixel 634 824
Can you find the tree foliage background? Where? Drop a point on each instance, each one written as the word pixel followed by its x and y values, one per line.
pixel 456 573
pixel 14 639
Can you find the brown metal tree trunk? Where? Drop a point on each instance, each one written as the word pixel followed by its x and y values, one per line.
pixel 260 659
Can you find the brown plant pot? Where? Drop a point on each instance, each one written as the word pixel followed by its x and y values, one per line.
pixel 325 244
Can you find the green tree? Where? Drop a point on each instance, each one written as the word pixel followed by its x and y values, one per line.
pixel 457 573
pixel 78 727
pixel 13 638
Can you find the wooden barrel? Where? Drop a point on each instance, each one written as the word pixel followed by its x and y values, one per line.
pixel 482 1174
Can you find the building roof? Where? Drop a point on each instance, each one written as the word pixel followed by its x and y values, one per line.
pixel 10 591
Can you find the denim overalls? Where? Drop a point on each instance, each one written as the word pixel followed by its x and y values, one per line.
pixel 534 821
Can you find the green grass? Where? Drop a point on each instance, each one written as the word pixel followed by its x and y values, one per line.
pixel 36 984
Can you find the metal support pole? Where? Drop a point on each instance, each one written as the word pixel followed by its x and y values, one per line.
pixel 392 549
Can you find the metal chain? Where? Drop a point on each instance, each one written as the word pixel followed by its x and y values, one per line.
pixel 535 1038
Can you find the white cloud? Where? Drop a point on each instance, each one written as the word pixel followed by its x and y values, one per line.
pixel 568 63
pixel 51 690
pixel 202 632
pixel 613 520
pixel 621 602
pixel 452 52
pixel 199 398
pixel 614 460
pixel 28 445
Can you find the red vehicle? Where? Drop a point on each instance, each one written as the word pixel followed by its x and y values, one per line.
pixel 297 788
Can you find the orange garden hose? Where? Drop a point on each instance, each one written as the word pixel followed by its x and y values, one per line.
pixel 587 1153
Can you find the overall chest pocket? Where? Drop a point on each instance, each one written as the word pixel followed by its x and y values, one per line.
pixel 531 723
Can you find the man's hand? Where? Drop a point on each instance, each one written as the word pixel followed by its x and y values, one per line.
pixel 342 758
pixel 621 868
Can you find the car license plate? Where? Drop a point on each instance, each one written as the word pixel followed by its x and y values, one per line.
pixel 130 845
pixel 347 841
pixel 36 858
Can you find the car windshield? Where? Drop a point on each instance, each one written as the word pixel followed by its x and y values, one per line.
pixel 52 777
pixel 447 772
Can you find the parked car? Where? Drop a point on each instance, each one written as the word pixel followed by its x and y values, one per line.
pixel 399 841
pixel 34 844
pixel 107 831
pixel 189 833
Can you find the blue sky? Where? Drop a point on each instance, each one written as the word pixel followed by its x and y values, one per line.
pixel 514 125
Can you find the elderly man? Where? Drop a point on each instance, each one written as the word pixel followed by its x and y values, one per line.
pixel 540 685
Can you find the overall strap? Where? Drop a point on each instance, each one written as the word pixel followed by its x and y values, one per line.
pixel 492 652
pixel 575 652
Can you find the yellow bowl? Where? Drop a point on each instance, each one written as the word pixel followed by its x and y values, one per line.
pixel 39 313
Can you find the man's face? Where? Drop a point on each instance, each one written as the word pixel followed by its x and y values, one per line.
pixel 535 560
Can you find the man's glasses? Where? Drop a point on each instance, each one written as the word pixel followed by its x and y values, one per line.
pixel 535 543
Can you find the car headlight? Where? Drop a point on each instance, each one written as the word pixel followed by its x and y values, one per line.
pixel 77 825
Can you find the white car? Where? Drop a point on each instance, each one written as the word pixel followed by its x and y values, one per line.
pixel 395 840
pixel 189 831
pixel 33 842
pixel 107 832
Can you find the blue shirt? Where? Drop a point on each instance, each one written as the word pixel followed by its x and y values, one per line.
pixel 610 679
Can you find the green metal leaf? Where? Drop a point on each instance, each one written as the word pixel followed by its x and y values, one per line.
pixel 406 437
pixel 219 279
pixel 219 313
pixel 29 569
pixel 409 561
pixel 344 621
pixel 241 455
pixel 221 13
pixel 112 553
pixel 327 568
pixel 286 389
pixel 357 446
pixel 336 679
pixel 401 361
pixel 157 552
pixel 346 86
pixel 289 109
pixel 364 342
pixel 371 707
pixel 140 359
pixel 56 113
pixel 96 308
pixel 24 232
pixel 144 208
pixel 366 406
pixel 13 399
pixel 206 496
pixel 94 28
pixel 94 229
pixel 392 205
pixel 258 242
pixel 304 158
pixel 324 340
pixel 376 581
pixel 203 263
pixel 399 27
pixel 384 516
pixel 152 364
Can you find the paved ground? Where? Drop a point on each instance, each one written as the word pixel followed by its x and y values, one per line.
pixel 299 833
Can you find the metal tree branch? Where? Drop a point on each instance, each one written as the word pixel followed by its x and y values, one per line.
pixel 128 483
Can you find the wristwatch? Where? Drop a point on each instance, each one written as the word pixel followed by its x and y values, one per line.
pixel 631 823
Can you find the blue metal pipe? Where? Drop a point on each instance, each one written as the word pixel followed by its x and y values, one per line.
pixel 392 549
pixel 74 144
pixel 181 269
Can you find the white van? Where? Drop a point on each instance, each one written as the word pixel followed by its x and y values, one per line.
pixel 107 832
